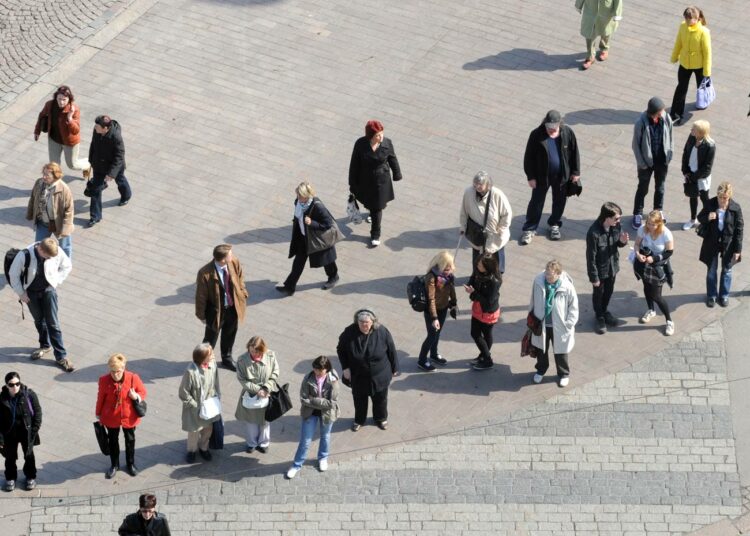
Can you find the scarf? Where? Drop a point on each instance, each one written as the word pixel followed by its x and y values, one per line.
pixel 442 279
pixel 549 291
pixel 299 214
pixel 256 360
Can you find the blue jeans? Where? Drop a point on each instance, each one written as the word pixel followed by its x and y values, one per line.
pixel 726 280
pixel 65 242
pixel 98 185
pixel 308 431
pixel 430 344
pixel 43 307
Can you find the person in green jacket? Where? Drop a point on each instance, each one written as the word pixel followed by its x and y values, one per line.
pixel 600 19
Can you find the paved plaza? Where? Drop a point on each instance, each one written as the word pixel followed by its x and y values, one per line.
pixel 225 106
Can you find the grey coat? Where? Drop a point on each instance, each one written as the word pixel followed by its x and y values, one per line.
pixel 327 404
pixel 642 141
pixel 190 393
pixel 252 377
pixel 564 314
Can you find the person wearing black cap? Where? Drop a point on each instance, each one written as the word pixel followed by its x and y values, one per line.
pixel 652 147
pixel 107 157
pixel 551 160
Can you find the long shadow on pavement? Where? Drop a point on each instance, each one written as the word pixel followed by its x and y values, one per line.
pixel 525 59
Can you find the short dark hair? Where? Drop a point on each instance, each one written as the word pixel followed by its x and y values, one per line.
pixel 609 209
pixel 64 91
pixel 12 375
pixel 322 363
pixel 147 500
pixel 221 251
pixel 103 121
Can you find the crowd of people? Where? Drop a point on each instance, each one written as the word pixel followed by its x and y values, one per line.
pixel 366 350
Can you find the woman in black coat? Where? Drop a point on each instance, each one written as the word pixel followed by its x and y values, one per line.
pixel 309 213
pixel 368 361
pixel 722 222
pixel 697 161
pixel 146 521
pixel 373 159
pixel 20 420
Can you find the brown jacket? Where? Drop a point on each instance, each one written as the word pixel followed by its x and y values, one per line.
pixel 208 294
pixel 438 298
pixel 70 132
pixel 62 207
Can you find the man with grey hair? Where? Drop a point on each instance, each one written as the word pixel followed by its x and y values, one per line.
pixel 485 219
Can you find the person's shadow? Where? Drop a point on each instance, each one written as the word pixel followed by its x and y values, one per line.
pixel 8 192
pixel 524 59
pixel 602 116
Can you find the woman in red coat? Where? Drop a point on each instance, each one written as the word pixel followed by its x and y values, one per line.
pixel 118 391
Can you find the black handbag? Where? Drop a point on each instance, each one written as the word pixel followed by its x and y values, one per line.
pixel 690 188
pixel 573 188
pixel 475 233
pixel 140 407
pixel 320 240
pixel 702 230
pixel 101 437
pixel 217 435
pixel 279 403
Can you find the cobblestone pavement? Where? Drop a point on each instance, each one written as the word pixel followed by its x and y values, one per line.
pixel 37 34
pixel 227 104
pixel 633 463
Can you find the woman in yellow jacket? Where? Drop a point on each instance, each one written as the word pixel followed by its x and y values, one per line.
pixel 693 49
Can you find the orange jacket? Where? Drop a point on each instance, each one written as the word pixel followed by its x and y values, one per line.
pixel 70 132
pixel 113 405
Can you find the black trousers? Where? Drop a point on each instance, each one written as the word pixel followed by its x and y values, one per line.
pixel 298 266
pixel 13 439
pixel 653 296
pixel 482 335
pixel 227 329
pixel 379 405
pixel 601 296
pixel 377 220
pixel 644 179
pixel 680 92
pixel 703 194
pixel 542 360
pixel 536 204
pixel 113 437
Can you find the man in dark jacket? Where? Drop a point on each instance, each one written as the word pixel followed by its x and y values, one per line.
pixel 368 361
pixel 107 158
pixel 551 161
pixel 603 241
pixel 20 420
pixel 146 521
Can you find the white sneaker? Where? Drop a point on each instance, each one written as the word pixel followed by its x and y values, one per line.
pixel 368 219
pixel 689 225
pixel 292 472
pixel 647 316
pixel 669 330
pixel 538 378
pixel 323 465
pixel 374 243
pixel 527 237
pixel 564 381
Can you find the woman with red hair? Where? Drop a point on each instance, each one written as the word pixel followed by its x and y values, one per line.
pixel 373 159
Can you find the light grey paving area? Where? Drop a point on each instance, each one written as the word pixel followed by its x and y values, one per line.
pixel 37 34
pixel 597 478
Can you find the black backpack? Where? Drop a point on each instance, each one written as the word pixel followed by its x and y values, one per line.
pixel 416 293
pixel 10 256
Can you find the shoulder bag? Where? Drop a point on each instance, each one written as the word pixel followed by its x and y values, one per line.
pixel 320 240
pixel 475 233
pixel 139 405
pixel 279 404
pixel 209 407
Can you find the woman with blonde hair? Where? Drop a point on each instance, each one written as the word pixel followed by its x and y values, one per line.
pixel 310 217
pixel 200 382
pixel 258 374
pixel 119 391
pixel 697 161
pixel 440 290
pixel 692 48
pixel 653 248
pixel 51 209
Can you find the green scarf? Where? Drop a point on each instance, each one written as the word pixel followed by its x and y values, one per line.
pixel 550 290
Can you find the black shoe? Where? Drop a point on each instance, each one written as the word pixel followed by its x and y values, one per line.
pixel 383 425
pixel 477 359
pixel 439 361
pixel 331 283
pixel 206 455
pixel 92 222
pixel 112 471
pixel 612 321
pixel 228 364
pixel 284 290
pixel 132 470
pixel 601 326
pixel 426 366
pixel 724 302
pixel 262 450
pixel 483 365
pixel 710 302
pixel 190 458
pixel 123 202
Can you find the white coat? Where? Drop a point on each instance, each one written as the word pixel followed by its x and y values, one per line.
pixel 498 220
pixel 56 269
pixel 564 313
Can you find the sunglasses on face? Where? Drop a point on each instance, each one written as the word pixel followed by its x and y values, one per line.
pixel 13 384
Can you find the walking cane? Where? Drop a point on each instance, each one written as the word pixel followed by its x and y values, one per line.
pixel 460 237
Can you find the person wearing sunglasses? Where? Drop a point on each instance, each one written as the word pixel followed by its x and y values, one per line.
pixel 146 521
pixel 603 242
pixel 20 420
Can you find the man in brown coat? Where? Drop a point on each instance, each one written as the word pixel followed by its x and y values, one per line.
pixel 220 300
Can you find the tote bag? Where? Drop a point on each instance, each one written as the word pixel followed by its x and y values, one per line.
pixel 705 94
